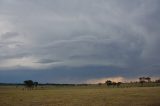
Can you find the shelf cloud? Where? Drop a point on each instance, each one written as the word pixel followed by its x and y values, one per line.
pixel 77 38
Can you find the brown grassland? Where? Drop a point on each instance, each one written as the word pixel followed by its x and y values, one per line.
pixel 80 96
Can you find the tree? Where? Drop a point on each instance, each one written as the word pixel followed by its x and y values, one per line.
pixel 29 84
pixel 114 84
pixel 157 81
pixel 99 84
pixel 36 84
pixel 119 83
pixel 142 80
pixel 148 79
pixel 108 82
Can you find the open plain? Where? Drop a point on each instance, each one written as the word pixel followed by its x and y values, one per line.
pixel 79 96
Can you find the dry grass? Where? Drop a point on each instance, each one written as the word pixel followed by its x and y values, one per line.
pixel 80 96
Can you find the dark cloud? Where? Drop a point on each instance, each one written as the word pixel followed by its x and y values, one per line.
pixel 123 34
pixel 47 61
pixel 65 74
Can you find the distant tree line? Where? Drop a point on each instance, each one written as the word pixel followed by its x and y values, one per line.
pixel 114 84
pixel 143 81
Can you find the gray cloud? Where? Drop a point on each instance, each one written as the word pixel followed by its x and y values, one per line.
pixel 47 61
pixel 9 35
pixel 81 33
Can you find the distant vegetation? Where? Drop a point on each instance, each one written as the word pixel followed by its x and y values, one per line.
pixel 143 82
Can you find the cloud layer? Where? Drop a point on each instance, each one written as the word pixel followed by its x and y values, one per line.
pixel 51 35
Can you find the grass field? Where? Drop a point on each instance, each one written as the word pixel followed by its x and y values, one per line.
pixel 80 96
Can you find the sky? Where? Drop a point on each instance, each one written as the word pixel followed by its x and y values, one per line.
pixel 79 41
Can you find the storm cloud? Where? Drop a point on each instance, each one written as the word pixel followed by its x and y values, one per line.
pixel 77 38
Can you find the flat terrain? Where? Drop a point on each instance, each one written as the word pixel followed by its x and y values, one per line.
pixel 80 96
